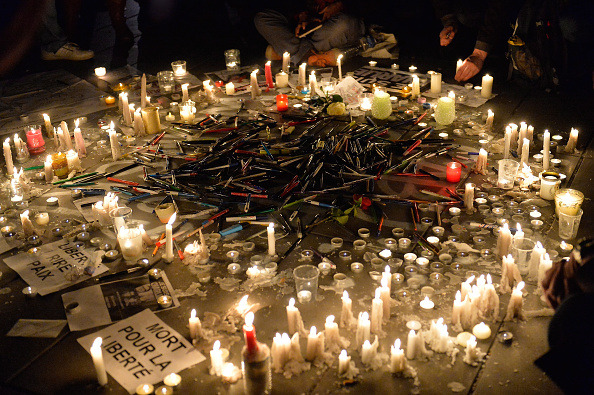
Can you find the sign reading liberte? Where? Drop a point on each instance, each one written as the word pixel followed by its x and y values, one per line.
pixel 50 269
pixel 143 349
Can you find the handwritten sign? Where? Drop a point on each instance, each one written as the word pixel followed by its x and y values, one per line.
pixel 392 80
pixel 142 350
pixel 50 270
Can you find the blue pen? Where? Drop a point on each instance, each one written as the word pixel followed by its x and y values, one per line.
pixel 320 204
pixel 138 197
pixel 230 230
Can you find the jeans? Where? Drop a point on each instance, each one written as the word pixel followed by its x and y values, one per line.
pixel 52 35
pixel 339 31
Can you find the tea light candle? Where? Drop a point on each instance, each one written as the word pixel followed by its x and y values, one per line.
pixel 487 86
pixel 100 71
pixel 481 331
pixel 145 389
pixel 97 355
pixel 412 69
pixel 42 219
pixel 172 380
pixel 109 100
pixel 453 172
pixel 427 304
pixel 565 247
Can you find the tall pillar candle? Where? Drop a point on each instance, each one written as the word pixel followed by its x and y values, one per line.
pixel 469 196
pixel 143 91
pixel 185 93
pixel 416 86
pixel 302 74
pixel 507 142
pixel 271 240
pixel 67 138
pixel 97 355
pixel 546 150
pixel 339 64
pixel 572 142
pixel 126 109
pixel 268 75
pixel 313 344
pixel 8 157
pixel 216 359
pixel 169 239
pixel 79 141
pixel 525 151
pixel 435 82
pixel 487 86
pixel 516 301
pixel 151 120
pixel 522 133
pixel 286 61
pixel 255 89
pixel 115 145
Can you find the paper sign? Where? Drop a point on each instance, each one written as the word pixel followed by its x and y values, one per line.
pixel 392 80
pixel 37 328
pixel 104 304
pixel 143 349
pixel 473 96
pixel 50 269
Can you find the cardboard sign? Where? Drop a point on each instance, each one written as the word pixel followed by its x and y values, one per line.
pixel 143 349
pixel 392 80
pixel 50 269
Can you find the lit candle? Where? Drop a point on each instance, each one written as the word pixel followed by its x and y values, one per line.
pixel 568 201
pixel 369 351
pixel 457 309
pixel 294 319
pixel 138 124
pixel 522 133
pixel 412 345
pixel 365 104
pixel 100 71
pixel 143 91
pixel 416 86
pixel 67 138
pixel 453 172
pixel 344 362
pixel 185 93
pixel 145 389
pixel 572 142
pixel 546 147
pixel 426 303
pixel 519 235
pixel 8 157
pixel 385 294
pixel 249 333
pixel 28 228
pixel 445 111
pixel 302 73
pixel 282 80
pixel 435 82
pixel 514 308
pixel 286 60
pixel 79 140
pixel 377 311
pixel 525 151
pixel 313 84
pixel 489 122
pixel 97 355
pixel 481 162
pixel 278 351
pixel 487 86
pixel 126 108
pixel 504 240
pixel 115 144
pixel 172 380
pixel 381 106
pixel 315 344
pixel 271 240
pixel 507 142
pixel 346 315
pixel 42 219
pixel 151 120
pixel 169 239
pixel 545 265
pixel 339 64
pixel 509 274
pixel 471 353
pixel 469 197
pixel 481 331
pixel 489 300
pixel 216 359
pixel 363 328
pixel 230 89
pixel 459 64
pixel 145 237
pixel 535 259
pixel 268 74
pixel 48 125
pixel 73 161
pixel 331 334
pixel 195 325
pixel 282 102
pixel 397 360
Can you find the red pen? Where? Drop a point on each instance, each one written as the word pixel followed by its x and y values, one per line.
pixel 158 138
pixel 125 182
pixel 412 147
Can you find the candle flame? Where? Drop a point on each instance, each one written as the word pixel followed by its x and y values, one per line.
pixel 330 319
pixel 345 295
pixel 111 125
pixel 97 342
pixel 343 354
pixel 364 316
pixel 520 286
pixel 249 319
pixel 268 63
pixel 469 279
pixel 489 280
pixel 563 244
pixel 271 225
pixel 312 331
pixel 458 297
pixel 193 313
pixel 292 302
pixel 76 122
pixel 339 58
pixel 216 346
pixel 172 219
pixel 378 292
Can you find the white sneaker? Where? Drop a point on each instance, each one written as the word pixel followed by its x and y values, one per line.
pixel 68 51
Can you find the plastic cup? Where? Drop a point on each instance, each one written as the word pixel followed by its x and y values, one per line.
pixel 521 251
pixel 306 282
pixel 569 224
pixel 508 169
pixel 166 81
pixel 232 59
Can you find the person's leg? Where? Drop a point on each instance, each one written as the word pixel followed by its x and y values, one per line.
pixel 340 31
pixel 116 10
pixel 274 27
pixel 52 35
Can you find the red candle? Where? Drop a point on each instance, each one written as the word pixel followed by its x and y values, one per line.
pixel 453 172
pixel 35 141
pixel 282 102
pixel 268 74
pixel 249 332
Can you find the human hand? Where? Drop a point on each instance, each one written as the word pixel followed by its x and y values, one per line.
pixel 471 66
pixel 301 22
pixel 330 10
pixel 447 35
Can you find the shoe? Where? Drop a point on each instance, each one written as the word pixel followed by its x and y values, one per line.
pixel 68 51
pixel 323 59
pixel 271 54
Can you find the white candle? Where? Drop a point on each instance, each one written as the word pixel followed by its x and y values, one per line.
pixel 377 311
pixel 522 133
pixel 302 74
pixel 286 60
pixel 73 161
pixel 195 325
pixel 79 140
pixel 489 122
pixel 42 219
pixel 519 235
pixel 344 362
pixel 412 345
pixel 459 64
pixel 545 264
pixel 97 355
pixel 535 259
pixel 145 237
pixel 48 170
pixel 67 138
pixel 490 300
pixel 546 148
pixel 282 80
pixel 254 84
pixel 28 228
pixel 278 353
pixel 525 151
pixel 115 145
pixel 126 109
pixel 457 309
pixel 445 111
pixel 143 91
pixel 331 333
pixel 509 273
pixel 216 359
pixel 416 86
pixel 8 157
pixel 314 343
pixel 271 239
pixel 385 296
pixel 469 197
pixel 481 331
pixel 572 142
pixel 514 133
pixel 514 308
pixel 169 239
pixel 481 162
pixel 504 240
pixel 369 351
pixel 435 82
pixel 48 125
pixel 471 354
pixel 507 142
pixel 363 328
pixel 339 64
pixel 100 71
pixel 185 94
pixel 487 86
pixel 138 124
pixel 426 303
pixel 294 319
pixel 313 84
pixel 346 314
pixel 397 360
pixel 230 89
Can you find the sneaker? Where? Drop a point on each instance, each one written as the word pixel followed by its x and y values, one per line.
pixel 323 59
pixel 271 54
pixel 68 51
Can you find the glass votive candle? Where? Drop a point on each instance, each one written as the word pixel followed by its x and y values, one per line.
pixel 359 245
pixel 409 258
pixel 179 68
pixel 404 244
pixel 395 263
pixel 345 255
pixel 398 233
pixel 336 243
pixel 427 291
pixel 487 254
pixel 398 280
pixel 436 267
pixel 498 211
pixel 340 280
pixel 166 80
pixel 453 172
pixel 433 240
pixel 428 254
pixel 391 244
pixel 233 255
pixel 410 271
pixel 232 59
pixel 536 224
pixel 325 267
pixel 357 267
pixel 35 142
pixel 484 209
pixel 454 211
pixel 233 268
pixel 403 295
pixel 422 264
pixel 378 264
pixel 454 238
pixel 130 240
pixel 415 282
pixel 445 258
pixel 364 233
pixel 479 241
pixel 438 231
pixel 256 260
pixel 307 255
pixel 568 201
pixel 282 102
pixel 425 223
